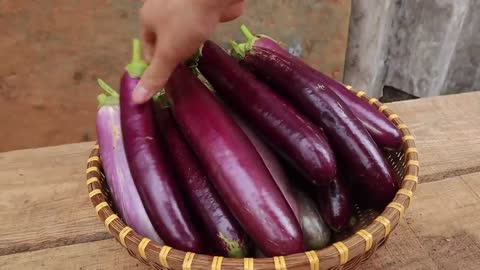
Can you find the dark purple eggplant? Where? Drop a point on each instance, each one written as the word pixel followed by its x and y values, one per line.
pixel 383 132
pixel 351 142
pixel 233 165
pixel 150 168
pixel 223 230
pixel 279 123
pixel 335 205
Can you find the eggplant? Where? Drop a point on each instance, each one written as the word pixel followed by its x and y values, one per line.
pixel 150 168
pixel 115 166
pixel 316 232
pixel 234 166
pixel 223 231
pixel 382 130
pixel 351 142
pixel 335 205
pixel 279 123
pixel 273 165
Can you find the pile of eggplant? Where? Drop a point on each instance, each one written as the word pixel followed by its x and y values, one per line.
pixel 252 153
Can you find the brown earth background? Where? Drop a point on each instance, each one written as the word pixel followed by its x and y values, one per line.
pixel 53 51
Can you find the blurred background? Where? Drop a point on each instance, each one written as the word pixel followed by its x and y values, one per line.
pixel 53 51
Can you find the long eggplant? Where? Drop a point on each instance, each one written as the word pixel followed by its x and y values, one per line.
pixel 234 166
pixel 349 139
pixel 281 125
pixel 273 165
pixel 150 168
pixel 383 132
pixel 112 152
pixel 315 231
pixel 223 230
pixel 335 205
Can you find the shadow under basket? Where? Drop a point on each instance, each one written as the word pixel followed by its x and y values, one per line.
pixel 345 254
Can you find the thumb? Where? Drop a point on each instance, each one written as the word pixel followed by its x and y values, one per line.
pixel 153 79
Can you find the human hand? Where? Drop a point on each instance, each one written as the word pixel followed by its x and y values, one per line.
pixel 171 31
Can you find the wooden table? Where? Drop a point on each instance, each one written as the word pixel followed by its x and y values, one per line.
pixel 47 221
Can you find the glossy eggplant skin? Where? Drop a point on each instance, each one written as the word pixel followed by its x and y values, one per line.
pixel 122 188
pixel 383 132
pixel 351 142
pixel 152 173
pixel 273 165
pixel 315 231
pixel 279 123
pixel 234 166
pixel 335 205
pixel 224 232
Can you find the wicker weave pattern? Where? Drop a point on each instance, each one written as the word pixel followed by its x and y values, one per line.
pixel 341 255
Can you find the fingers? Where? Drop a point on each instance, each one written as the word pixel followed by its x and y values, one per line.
pixel 232 12
pixel 154 78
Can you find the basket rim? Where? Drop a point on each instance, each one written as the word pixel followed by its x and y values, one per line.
pixel 339 253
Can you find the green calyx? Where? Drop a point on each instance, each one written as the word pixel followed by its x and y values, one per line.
pixel 109 98
pixel 161 99
pixel 240 50
pixel 137 66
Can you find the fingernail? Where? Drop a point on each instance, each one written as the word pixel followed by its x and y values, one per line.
pixel 140 94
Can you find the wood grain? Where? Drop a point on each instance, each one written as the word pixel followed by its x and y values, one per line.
pixel 44 199
pixel 447 132
pixel 105 254
pixel 441 231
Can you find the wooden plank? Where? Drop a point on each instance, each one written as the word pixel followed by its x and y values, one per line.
pixel 447 132
pixel 441 231
pixel 44 199
pixel 105 254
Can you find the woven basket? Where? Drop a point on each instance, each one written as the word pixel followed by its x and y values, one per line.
pixel 346 254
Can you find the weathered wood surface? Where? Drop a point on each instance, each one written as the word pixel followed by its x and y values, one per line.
pixel 48 223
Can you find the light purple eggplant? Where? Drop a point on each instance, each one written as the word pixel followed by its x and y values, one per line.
pixel 117 172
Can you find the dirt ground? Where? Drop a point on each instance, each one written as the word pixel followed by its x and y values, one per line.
pixel 53 51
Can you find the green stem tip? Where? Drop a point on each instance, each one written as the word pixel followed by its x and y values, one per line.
pixel 137 66
pixel 112 97
pixel 246 32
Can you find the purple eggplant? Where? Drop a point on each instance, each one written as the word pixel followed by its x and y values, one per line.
pixel 279 123
pixel 272 163
pixel 223 230
pixel 348 137
pixel 112 152
pixel 335 204
pixel 383 132
pixel 315 232
pixel 150 168
pixel 234 166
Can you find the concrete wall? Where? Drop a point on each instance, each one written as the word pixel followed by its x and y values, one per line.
pixel 423 47
pixel 52 51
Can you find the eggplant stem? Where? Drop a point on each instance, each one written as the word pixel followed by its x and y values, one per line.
pixel 137 66
pixel 237 53
pixel 246 32
pixel 107 88
pixel 107 100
